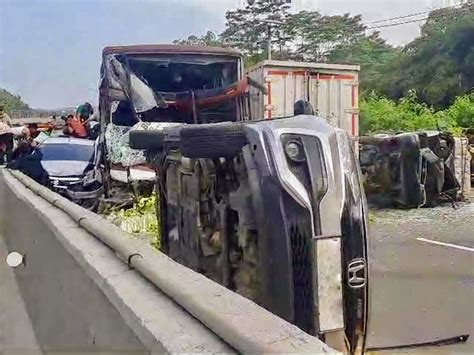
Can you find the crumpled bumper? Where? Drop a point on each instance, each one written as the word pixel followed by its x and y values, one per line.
pixel 85 195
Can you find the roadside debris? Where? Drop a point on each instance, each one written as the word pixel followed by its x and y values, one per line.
pixel 140 220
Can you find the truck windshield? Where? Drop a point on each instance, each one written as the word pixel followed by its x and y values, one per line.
pixel 177 88
pixel 182 74
pixel 73 152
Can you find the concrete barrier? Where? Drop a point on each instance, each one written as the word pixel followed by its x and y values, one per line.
pixel 80 296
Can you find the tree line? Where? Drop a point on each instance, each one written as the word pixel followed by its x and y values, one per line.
pixel 438 65
pixel 11 102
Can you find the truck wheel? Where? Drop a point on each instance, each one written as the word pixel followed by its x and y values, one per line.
pixel 221 140
pixel 147 140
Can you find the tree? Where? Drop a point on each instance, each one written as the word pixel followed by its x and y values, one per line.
pixel 246 31
pixel 461 112
pixel 208 39
pixel 339 39
pixel 316 36
pixel 380 114
pixel 439 64
pixel 11 102
pixel 371 52
pixel 307 35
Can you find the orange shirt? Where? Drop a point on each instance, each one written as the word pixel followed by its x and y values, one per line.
pixel 78 129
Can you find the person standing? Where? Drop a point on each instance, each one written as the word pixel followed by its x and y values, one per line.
pixel 89 119
pixel 4 117
pixel 6 143
pixel 84 111
pixel 33 130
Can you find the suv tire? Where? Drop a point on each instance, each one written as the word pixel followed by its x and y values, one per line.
pixel 147 140
pixel 222 140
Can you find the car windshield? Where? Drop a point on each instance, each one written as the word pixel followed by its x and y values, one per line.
pixel 74 152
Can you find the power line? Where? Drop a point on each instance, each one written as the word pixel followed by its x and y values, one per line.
pixel 458 6
pixel 411 15
pixel 416 20
pixel 398 23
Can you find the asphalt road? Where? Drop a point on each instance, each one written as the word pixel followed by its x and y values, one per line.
pixel 16 332
pixel 422 291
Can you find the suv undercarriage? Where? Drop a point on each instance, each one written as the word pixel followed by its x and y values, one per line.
pixel 272 210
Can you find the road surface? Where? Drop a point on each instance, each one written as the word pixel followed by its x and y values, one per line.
pixel 422 277
pixel 16 332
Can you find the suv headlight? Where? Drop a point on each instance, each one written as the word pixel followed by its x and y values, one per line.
pixel 295 151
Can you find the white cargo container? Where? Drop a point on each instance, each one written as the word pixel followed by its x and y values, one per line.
pixel 332 90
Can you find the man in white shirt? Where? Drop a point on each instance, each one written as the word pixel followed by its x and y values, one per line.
pixel 20 131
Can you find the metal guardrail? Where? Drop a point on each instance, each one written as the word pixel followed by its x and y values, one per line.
pixel 241 323
pixel 25 121
pixel 32 113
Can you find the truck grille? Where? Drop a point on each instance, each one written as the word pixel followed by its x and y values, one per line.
pixel 300 238
pixel 300 227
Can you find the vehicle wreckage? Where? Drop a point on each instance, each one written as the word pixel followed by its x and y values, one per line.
pixel 272 209
pixel 414 169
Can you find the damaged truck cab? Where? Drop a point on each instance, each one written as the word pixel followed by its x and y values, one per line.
pixel 166 84
pixel 273 209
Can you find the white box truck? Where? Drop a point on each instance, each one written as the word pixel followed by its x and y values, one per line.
pixel 332 90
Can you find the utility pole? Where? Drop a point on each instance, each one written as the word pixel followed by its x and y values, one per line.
pixel 269 42
pixel 270 23
pixel 269 35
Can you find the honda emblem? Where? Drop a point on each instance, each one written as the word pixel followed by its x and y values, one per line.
pixel 356 273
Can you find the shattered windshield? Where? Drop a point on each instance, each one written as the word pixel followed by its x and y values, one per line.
pixel 183 74
pixel 175 88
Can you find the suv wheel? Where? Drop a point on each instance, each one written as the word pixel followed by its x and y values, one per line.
pixel 222 140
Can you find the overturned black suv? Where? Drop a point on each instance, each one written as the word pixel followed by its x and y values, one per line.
pixel 410 170
pixel 273 209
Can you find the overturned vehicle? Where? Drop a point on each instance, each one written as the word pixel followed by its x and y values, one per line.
pixel 272 209
pixel 413 169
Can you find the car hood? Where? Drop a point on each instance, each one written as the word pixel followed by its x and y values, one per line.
pixel 61 168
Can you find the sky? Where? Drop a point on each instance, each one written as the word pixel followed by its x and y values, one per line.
pixel 50 50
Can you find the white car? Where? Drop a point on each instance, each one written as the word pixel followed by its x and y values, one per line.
pixel 72 165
